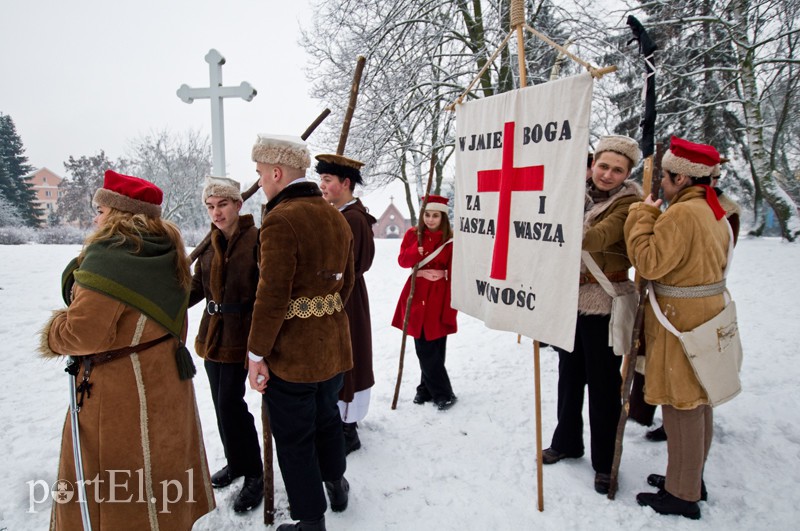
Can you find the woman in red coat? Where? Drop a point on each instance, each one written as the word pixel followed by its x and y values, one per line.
pixel 431 318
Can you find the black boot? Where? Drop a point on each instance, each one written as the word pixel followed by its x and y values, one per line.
pixel 422 396
pixel 338 494
pixel 657 435
pixel 443 404
pixel 251 495
pixel 551 456
pixel 304 525
pixel 663 502
pixel 351 440
pixel 602 483
pixel 658 481
pixel 222 478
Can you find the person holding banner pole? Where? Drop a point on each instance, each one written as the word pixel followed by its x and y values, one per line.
pixel 431 318
pixel 593 362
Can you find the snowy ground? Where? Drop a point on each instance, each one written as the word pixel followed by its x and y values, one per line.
pixel 473 467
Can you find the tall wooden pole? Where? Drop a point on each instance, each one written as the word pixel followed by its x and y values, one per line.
pixel 517 15
pixel 652 165
pixel 351 106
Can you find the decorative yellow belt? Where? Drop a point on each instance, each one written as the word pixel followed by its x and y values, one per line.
pixel 304 307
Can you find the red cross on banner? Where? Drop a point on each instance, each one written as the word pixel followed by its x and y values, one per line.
pixel 506 180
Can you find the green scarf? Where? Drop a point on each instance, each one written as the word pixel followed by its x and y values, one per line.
pixel 144 280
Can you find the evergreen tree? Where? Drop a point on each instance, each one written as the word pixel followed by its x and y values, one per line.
pixel 9 216
pixel 725 77
pixel 13 169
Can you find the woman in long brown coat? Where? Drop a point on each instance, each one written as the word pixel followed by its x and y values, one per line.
pixel 144 463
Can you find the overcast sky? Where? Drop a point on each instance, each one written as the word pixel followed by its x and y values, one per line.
pixel 84 75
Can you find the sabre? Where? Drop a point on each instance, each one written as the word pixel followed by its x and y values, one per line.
pixel 74 408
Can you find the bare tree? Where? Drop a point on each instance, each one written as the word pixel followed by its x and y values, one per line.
pixel 84 176
pixel 421 55
pixel 178 164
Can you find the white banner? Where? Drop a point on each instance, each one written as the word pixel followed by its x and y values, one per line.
pixel 519 195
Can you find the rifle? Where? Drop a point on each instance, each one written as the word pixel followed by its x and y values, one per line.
pixel 651 184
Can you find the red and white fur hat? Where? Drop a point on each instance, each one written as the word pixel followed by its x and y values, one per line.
pixel 687 158
pixel 129 194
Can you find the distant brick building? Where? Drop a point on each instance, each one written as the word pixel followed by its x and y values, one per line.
pixel 46 184
pixel 391 224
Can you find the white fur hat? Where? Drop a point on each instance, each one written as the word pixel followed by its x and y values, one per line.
pixel 221 187
pixel 282 150
pixel 624 145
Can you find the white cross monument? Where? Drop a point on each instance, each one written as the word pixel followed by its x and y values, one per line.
pixel 215 92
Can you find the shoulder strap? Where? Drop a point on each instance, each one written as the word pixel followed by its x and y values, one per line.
pixel 652 293
pixel 597 273
pixel 433 255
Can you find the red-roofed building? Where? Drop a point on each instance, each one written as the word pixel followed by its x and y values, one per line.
pixel 391 224
pixel 46 184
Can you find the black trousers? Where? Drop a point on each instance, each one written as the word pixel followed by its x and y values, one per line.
pixel 640 411
pixel 592 363
pixel 309 440
pixel 236 425
pixel 434 379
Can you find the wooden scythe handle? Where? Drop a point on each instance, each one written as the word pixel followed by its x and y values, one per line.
pixel 351 106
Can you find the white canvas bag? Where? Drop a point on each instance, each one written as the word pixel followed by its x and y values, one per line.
pixel 714 348
pixel 623 309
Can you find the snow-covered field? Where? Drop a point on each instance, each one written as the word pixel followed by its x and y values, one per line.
pixel 473 467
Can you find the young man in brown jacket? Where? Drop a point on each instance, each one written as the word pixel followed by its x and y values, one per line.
pixel 592 363
pixel 300 341
pixel 338 177
pixel 225 277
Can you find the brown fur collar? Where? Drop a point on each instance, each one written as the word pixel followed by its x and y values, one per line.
pixel 305 189
pixel 628 188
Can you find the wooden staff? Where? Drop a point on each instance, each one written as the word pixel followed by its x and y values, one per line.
pixel 420 226
pixel 269 470
pixel 651 185
pixel 204 243
pixel 351 106
pixel 517 18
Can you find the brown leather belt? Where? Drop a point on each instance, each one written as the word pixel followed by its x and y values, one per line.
pixel 616 276
pixel 89 362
